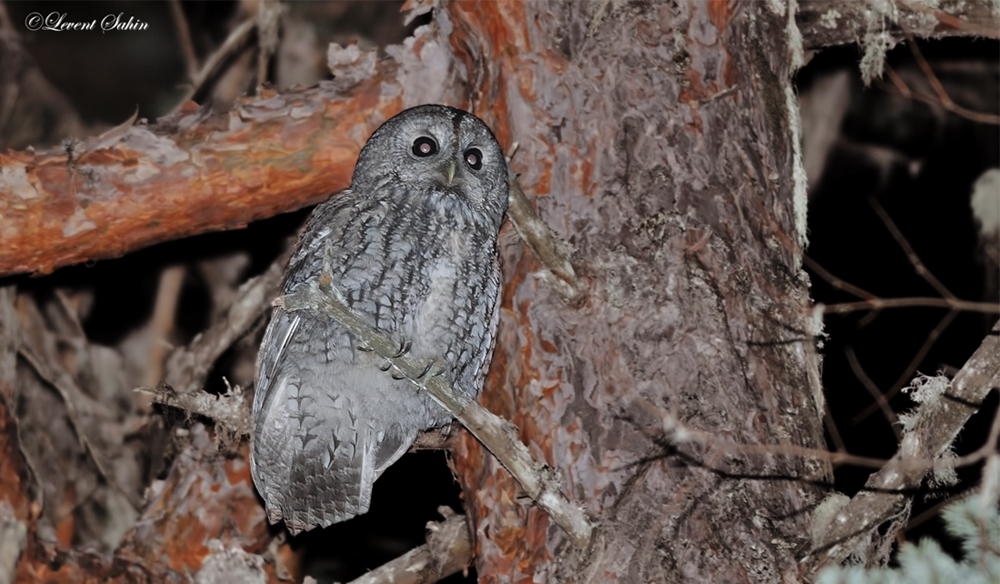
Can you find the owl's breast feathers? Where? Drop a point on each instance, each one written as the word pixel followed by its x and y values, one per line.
pixel 328 419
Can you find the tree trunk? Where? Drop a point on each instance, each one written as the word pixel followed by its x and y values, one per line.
pixel 660 142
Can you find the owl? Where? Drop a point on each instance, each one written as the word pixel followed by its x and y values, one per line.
pixel 411 247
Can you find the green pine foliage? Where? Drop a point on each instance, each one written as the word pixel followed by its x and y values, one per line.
pixel 974 522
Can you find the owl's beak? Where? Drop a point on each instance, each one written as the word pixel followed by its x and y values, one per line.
pixel 451 172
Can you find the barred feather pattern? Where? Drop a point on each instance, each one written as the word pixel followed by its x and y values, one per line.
pixel 411 246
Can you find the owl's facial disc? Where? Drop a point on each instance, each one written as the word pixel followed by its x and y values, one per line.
pixel 437 150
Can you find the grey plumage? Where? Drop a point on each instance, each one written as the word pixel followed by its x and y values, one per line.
pixel 412 247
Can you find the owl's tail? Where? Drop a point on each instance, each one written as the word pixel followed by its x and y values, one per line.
pixel 322 433
pixel 327 480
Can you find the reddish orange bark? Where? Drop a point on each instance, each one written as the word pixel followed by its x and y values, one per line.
pixel 627 123
pixel 693 267
pixel 142 185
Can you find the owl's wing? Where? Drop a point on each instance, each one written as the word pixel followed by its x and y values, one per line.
pixel 325 426
pixel 276 337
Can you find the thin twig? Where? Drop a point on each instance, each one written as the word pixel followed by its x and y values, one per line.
pixel 539 481
pixel 232 44
pixel 880 303
pixel 876 393
pixel 897 81
pixel 939 89
pixel 268 23
pixel 928 72
pixel 835 281
pixel 873 302
pixel 905 91
pixel 954 22
pixel 907 374
pixel 831 427
pixel 161 324
pixel 908 250
pixel 184 39
pixel 678 433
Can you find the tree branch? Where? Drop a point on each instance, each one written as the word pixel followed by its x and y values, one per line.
pixel 826 23
pixel 545 245
pixel 935 426
pixel 447 551
pixel 192 173
pixel 140 185
pixel 187 367
pixel 540 482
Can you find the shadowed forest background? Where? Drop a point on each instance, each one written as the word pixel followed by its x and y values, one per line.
pixel 866 149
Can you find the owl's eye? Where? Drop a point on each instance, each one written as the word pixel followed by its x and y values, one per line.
pixel 474 157
pixel 424 146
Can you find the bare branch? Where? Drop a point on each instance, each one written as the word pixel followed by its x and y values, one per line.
pixel 717 448
pixel 229 410
pixel 836 282
pixel 876 393
pixel 447 551
pixel 825 23
pixel 936 424
pixel 873 302
pixel 233 43
pixel 942 99
pixel 184 39
pixel 269 13
pixel 540 482
pixel 545 245
pixel 161 325
pixel 187 367
pixel 831 427
pixel 911 254
pixel 880 303
pixel 192 173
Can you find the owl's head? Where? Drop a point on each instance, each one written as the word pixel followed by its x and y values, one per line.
pixel 437 151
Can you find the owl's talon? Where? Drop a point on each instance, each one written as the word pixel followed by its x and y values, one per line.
pixel 426 369
pixel 404 348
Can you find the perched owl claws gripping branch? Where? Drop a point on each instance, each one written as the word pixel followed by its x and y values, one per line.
pixel 412 247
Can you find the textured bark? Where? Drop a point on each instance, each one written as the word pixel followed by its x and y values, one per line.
pixel 140 185
pixel 207 496
pixel 657 141
pixel 191 173
pixel 826 23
